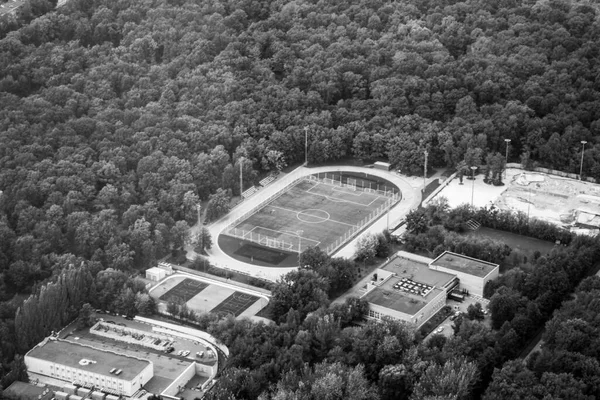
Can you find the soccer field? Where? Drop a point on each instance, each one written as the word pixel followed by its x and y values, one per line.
pixel 313 213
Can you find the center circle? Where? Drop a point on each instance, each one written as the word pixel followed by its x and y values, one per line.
pixel 313 216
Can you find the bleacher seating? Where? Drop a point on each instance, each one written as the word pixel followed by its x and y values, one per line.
pixel 249 192
pixel 267 180
pixel 473 225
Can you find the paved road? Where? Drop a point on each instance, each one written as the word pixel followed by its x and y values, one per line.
pixel 411 197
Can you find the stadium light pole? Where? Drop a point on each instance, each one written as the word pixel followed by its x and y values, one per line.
pixel 473 168
pixel 199 207
pixel 241 178
pixel 299 234
pixel 583 142
pixel 506 159
pixel 306 146
pixel 425 171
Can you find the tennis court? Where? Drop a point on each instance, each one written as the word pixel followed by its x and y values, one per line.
pixel 235 304
pixel 320 211
pixel 183 291
pixel 204 297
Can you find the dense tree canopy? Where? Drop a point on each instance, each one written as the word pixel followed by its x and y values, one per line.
pixel 118 117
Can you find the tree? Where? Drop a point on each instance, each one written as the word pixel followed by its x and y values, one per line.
pixel 454 380
pixel 395 382
pixel 218 204
pixel 475 312
pixel 204 240
pixel 180 234
pixel 366 247
pixel 417 221
pixel 85 319
pixel 302 290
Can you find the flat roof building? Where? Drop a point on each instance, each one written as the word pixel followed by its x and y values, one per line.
pixel 472 273
pixel 85 365
pixel 413 288
pixel 27 391
pixel 406 289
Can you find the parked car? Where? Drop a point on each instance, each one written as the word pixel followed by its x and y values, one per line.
pixel 186 353
pixel 439 330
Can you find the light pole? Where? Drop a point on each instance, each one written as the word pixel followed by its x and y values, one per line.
pixel 299 234
pixel 583 142
pixel 425 172
pixel 201 237
pixel 473 168
pixel 506 158
pixel 241 177
pixel 306 146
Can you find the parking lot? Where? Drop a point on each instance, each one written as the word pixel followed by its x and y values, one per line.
pixel 446 325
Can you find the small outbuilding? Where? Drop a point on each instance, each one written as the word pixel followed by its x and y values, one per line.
pixel 382 165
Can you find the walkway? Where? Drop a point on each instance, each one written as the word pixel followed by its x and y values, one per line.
pixel 411 198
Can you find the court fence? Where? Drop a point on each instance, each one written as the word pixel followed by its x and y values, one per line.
pixel 352 183
pixel 265 240
pixel 349 234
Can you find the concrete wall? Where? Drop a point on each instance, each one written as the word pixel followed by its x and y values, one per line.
pixel 178 329
pixel 181 380
pixel 550 172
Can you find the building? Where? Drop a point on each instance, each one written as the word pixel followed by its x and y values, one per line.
pixel 472 273
pixel 70 362
pixel 413 288
pixel 27 391
pixel 382 165
pixel 160 272
pixel 406 289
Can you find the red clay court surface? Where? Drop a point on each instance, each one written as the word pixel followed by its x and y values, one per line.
pixel 308 214
pixel 235 304
pixel 183 291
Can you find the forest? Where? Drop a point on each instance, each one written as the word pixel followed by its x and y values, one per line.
pixel 118 117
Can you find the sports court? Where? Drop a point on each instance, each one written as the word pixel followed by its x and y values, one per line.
pixel 203 297
pixel 235 304
pixel 323 211
pixel 183 291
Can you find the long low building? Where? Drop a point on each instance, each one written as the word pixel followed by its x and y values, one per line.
pixel 70 362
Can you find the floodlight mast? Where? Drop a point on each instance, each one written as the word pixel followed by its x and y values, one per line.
pixel 506 159
pixel 583 142
pixel 473 168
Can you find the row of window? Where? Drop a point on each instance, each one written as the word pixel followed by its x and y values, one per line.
pixel 72 374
